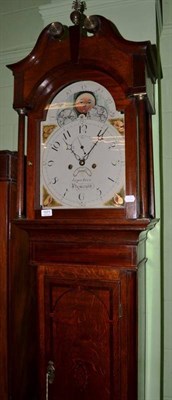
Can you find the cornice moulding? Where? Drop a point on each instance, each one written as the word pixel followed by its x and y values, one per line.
pixel 12 55
pixel 50 13
pixel 17 11
pixel 57 12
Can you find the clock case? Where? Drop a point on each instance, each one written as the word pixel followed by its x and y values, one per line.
pixel 88 263
pixel 128 70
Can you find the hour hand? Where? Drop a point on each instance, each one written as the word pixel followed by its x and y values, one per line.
pixel 69 147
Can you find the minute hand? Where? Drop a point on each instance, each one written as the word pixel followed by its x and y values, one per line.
pixel 99 135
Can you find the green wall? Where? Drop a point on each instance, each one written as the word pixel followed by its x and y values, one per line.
pixel 166 192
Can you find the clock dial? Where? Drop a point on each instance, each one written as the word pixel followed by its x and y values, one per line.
pixel 83 166
pixel 82 149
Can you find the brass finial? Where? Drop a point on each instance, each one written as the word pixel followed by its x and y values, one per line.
pixel 77 15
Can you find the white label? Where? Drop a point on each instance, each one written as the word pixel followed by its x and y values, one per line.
pixel 46 213
pixel 130 198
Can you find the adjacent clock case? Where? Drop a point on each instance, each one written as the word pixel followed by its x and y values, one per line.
pixel 74 58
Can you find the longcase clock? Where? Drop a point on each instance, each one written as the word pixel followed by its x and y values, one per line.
pixel 86 202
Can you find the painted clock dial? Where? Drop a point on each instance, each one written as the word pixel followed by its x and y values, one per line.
pixel 82 149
